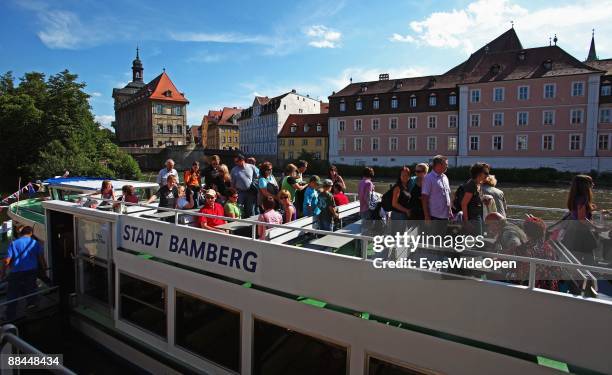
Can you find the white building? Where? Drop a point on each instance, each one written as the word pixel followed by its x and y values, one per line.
pixel 261 123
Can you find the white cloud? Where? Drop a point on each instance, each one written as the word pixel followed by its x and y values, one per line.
pixel 323 37
pixel 219 38
pixel 60 29
pixel 95 94
pixel 104 120
pixel 482 20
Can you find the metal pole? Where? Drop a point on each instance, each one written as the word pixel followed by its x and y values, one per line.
pixel 532 275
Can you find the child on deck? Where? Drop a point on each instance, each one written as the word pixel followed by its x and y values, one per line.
pixel 311 197
pixel 327 207
pixel 129 194
pixel 107 192
pixel 269 216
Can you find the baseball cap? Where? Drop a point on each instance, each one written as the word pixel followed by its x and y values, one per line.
pixel 327 182
pixel 315 178
pixel 211 192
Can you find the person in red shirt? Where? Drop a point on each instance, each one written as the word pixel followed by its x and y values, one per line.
pixel 211 208
pixel 339 197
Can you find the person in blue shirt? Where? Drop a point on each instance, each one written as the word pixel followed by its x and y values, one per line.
pixel 23 259
pixel 311 197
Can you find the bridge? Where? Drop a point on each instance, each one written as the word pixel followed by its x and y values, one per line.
pixel 153 158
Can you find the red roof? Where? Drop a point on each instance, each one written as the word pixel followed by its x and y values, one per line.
pixel 226 115
pixel 162 88
pixel 312 120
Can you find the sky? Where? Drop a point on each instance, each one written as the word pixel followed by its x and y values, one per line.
pixel 223 53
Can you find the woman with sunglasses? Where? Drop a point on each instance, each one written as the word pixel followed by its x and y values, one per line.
pixel 268 187
pixel 415 205
pixel 231 207
pixel 471 204
pixel 289 211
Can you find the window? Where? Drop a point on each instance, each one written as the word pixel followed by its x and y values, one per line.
pixel 290 155
pixel 342 106
pixel 433 100
pixel 381 367
pixel 158 109
pixel 498 94
pixel 342 144
pixel 316 357
pixel 452 121
pixel 300 110
pixel 522 118
pixel 548 117
pixel 432 143
pixel 549 91
pixel 474 143
pixel 394 102
pixel 475 120
pixel 293 129
pixel 412 144
pixel 170 129
pixel 393 123
pixel 179 129
pixel 357 144
pixel 606 90
pixel 318 142
pixel 432 122
pixel 393 144
pixel 341 125
pixel 374 144
pixel 305 142
pixel 523 92
pixel 577 88
pixel 576 116
pixel 375 124
pixel 281 142
pixel 177 110
pixel 376 103
pixel 358 105
pixel 452 99
pixel 498 119
pixel 452 143
pixel 575 142
pixel 292 142
pixel 475 96
pixel 143 304
pixel 319 128
pixel 604 115
pixel 604 142
pixel 223 139
pixel 498 142
pixel 412 122
pixel 208 330
pixel 357 126
pixel 413 101
pixel 548 142
pixel 521 143
pixel 160 129
pixel 317 155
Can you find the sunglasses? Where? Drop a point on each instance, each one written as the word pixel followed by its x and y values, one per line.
pixel 210 197
pixel 283 198
pixel 419 171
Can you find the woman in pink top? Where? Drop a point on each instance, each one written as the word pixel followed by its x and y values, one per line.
pixel 269 216
pixel 365 189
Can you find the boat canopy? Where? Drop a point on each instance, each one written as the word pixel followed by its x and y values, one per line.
pixel 90 184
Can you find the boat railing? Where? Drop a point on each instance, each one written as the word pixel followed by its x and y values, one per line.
pixel 366 240
pixel 12 344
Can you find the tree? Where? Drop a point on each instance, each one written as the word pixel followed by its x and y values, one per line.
pixel 46 127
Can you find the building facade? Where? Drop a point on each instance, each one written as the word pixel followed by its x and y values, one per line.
pixel 150 114
pixel 222 132
pixel 260 124
pixel 304 133
pixel 507 105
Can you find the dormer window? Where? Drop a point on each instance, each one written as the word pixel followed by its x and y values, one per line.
pixel 394 102
pixel 522 55
pixel 432 82
pixel 376 103
pixel 452 99
pixel 342 106
pixel 364 88
pixel 319 128
pixel 413 101
pixel 547 64
pixel 168 93
pixel 358 104
pixel 306 128
pixel 433 100
pixel 293 128
pixel 398 85
pixel 495 69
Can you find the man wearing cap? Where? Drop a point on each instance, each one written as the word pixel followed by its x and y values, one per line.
pixel 244 180
pixel 163 174
pixel 211 207
pixel 327 207
pixel 311 197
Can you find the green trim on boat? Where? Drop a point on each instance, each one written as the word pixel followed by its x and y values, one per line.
pixel 247 285
pixel 561 366
pixel 312 302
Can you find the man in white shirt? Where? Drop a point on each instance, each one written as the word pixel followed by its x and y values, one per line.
pixel 165 172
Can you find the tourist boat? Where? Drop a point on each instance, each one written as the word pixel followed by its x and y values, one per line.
pixel 31 213
pixel 174 298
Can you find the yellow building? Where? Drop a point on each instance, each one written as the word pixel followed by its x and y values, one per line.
pixel 223 134
pixel 304 133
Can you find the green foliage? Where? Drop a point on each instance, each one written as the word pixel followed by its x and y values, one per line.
pixel 46 127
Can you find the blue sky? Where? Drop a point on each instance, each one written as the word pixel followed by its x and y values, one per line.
pixel 223 53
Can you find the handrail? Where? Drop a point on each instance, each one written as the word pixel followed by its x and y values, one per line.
pixel 42 291
pixel 9 334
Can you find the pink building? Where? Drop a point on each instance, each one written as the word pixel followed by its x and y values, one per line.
pixel 509 106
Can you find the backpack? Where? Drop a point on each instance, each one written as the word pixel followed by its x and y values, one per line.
pixel 387 199
pixel 459 193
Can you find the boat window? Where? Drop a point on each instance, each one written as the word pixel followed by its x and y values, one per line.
pixel 68 195
pixel 94 280
pixel 279 350
pixel 93 239
pixel 377 366
pixel 142 304
pixel 208 330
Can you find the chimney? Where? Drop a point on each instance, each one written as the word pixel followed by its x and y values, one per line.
pixel 293 91
pixel 383 77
